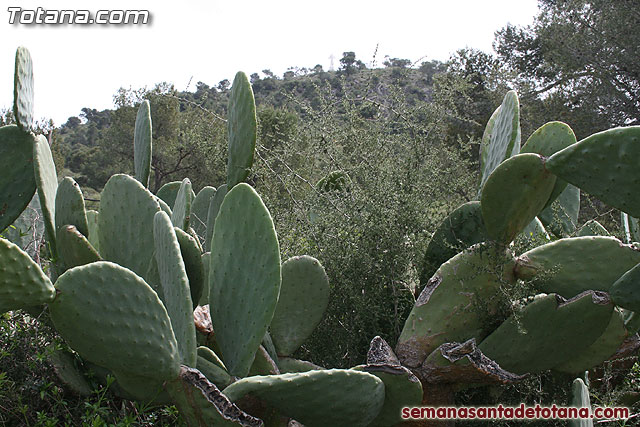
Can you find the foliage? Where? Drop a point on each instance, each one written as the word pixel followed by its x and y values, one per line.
pixel 579 60
pixel 32 394
pixel 403 178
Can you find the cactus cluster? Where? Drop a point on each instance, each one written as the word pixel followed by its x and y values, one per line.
pixel 183 298
pixel 456 336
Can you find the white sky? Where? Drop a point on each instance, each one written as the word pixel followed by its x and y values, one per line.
pixel 79 66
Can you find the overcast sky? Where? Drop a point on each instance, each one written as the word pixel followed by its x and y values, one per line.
pixel 79 66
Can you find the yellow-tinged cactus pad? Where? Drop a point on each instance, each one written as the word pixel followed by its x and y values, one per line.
pixel 570 266
pixel 244 277
pixel 333 397
pixel 111 317
pixel 456 303
pixel 514 194
pixel 22 282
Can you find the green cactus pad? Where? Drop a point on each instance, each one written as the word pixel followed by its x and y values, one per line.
pixel 625 291
pixel 546 141
pixel 462 228
pixel 604 165
pixel 214 207
pixel 147 390
pixel 289 365
pixel 211 356
pixel 74 248
pixel 456 303
pixel 70 206
pixel 200 211
pixel 514 194
pixel 631 321
pixel 66 367
pixel 548 332
pixel 242 130
pixel 202 404
pixel 163 205
pixel 580 399
pixel 23 90
pixel 175 287
pixel 182 206
pixel 592 228
pixel 125 226
pixel 192 259
pixel 267 343
pixel 17 183
pixel 501 138
pixel 22 282
pixel 196 239
pixel 206 261
pixel 263 364
pixel 47 184
pixel 213 372
pixel 536 230
pixel 631 228
pixel 111 317
pixel 334 397
pixel 92 223
pixel 244 277
pixel 401 389
pixel 602 348
pixel 561 217
pixel 570 266
pixel 304 296
pixel 169 191
pixel 142 145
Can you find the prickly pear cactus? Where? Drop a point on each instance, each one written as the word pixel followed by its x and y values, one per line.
pixel 242 129
pixel 142 145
